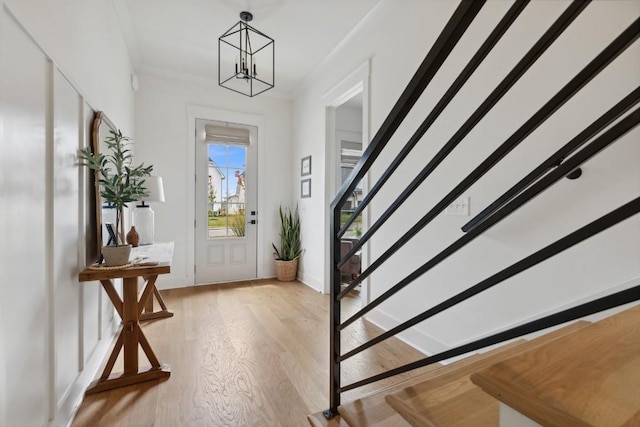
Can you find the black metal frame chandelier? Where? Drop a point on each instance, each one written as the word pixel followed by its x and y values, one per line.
pixel 246 59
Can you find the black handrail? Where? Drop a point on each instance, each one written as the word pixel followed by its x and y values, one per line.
pixel 442 47
pixel 444 44
pixel 545 41
pixel 591 70
pixel 493 39
pixel 596 306
pixel 553 249
pixel 570 164
pixel 595 137
pixel 556 158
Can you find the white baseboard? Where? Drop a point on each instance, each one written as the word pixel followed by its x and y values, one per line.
pixel 310 281
pixel 592 318
pixel 416 339
pixel 167 281
pixel 70 405
pixel 429 345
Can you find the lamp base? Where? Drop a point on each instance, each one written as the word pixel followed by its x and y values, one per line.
pixel 144 222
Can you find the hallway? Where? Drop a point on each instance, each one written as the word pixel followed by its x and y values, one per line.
pixel 246 354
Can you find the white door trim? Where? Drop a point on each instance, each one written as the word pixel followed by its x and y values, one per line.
pixel 357 81
pixel 198 112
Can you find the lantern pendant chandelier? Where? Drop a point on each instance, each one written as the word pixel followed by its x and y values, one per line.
pixel 246 59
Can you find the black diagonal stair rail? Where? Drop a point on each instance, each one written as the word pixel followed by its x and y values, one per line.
pixel 614 124
pixel 579 158
pixel 505 23
pixel 462 17
pixel 601 304
pixel 556 159
pixel 545 41
pixel 588 73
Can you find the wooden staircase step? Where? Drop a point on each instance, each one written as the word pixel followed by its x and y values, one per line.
pixel 318 420
pixel 465 406
pixel 591 378
pixel 372 410
pixel 451 399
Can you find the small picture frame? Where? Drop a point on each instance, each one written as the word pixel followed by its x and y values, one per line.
pixel 305 188
pixel 112 234
pixel 305 166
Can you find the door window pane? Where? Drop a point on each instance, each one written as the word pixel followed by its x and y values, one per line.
pixel 226 190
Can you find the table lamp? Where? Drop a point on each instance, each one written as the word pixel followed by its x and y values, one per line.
pixel 143 219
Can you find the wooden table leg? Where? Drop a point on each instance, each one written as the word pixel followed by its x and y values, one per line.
pixel 130 336
pixel 149 314
pixel 130 325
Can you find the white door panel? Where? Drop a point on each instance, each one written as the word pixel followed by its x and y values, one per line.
pixel 225 205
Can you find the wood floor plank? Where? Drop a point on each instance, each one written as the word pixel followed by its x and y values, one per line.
pixel 254 353
pixel 318 420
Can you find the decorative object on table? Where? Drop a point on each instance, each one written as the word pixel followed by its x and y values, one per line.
pixel 120 183
pixel 133 238
pixel 305 188
pixel 305 166
pixel 102 267
pixel 113 238
pixel 254 55
pixel 144 217
pixel 290 245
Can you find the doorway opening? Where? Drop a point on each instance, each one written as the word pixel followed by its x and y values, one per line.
pixel 347 134
pixel 348 140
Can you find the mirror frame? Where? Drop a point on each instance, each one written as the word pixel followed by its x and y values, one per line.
pixel 101 126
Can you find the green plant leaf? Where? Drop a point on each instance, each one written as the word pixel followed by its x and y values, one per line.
pixel 290 244
pixel 120 182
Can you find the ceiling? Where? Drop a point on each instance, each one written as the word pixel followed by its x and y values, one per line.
pixel 180 38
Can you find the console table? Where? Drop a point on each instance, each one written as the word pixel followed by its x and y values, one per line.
pixel 130 308
pixel 161 252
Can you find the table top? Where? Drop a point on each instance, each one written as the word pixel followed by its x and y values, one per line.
pixel 162 253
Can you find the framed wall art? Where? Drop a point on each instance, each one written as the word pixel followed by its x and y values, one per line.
pixel 305 188
pixel 305 166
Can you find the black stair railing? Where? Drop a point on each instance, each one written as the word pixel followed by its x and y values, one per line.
pixel 590 71
pixel 599 135
pixel 556 159
pixel 507 83
pixel 495 36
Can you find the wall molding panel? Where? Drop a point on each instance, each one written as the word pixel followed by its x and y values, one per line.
pixel 54 331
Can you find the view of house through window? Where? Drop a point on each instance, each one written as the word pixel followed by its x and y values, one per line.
pixel 226 190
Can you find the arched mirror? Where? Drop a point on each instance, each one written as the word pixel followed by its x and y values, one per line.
pixel 99 132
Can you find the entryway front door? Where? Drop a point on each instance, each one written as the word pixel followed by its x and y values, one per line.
pixel 226 202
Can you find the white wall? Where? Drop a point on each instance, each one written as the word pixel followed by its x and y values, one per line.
pixel 396 38
pixel 85 41
pixel 163 140
pixel 58 62
pixel 349 118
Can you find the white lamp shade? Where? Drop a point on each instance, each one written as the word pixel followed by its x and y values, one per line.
pixel 155 190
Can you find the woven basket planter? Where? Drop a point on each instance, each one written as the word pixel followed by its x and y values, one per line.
pixel 286 271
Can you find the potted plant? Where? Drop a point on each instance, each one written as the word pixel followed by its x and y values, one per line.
pixel 290 246
pixel 120 183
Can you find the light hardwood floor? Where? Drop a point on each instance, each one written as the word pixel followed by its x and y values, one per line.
pixel 247 354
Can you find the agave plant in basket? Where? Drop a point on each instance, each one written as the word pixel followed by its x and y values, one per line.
pixel 290 245
pixel 120 182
